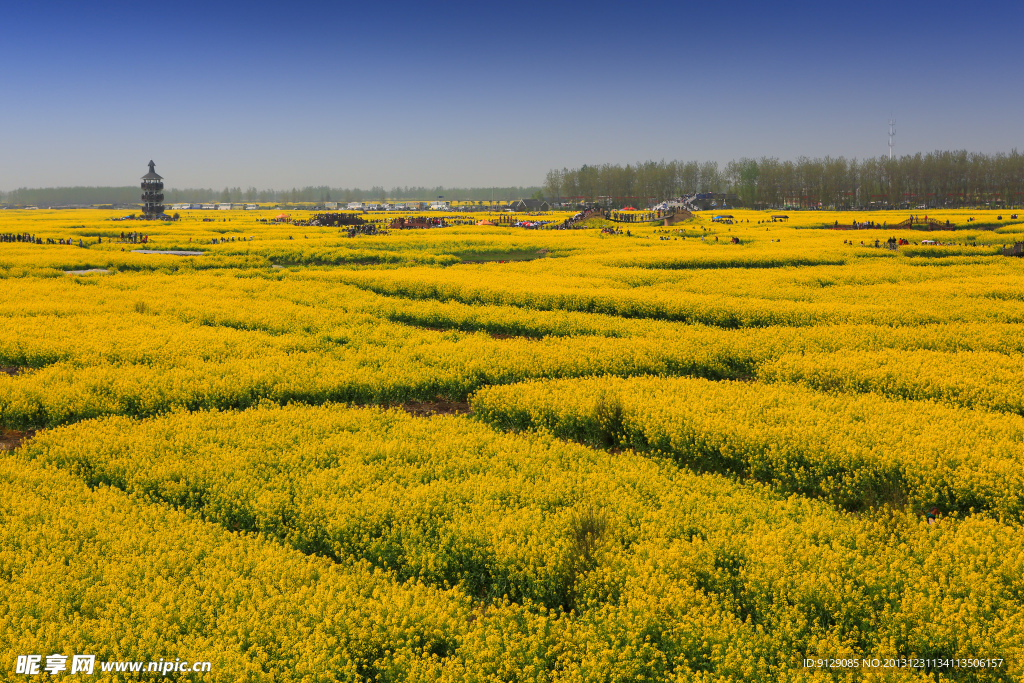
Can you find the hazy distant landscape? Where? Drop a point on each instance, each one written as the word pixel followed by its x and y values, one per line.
pixel 936 180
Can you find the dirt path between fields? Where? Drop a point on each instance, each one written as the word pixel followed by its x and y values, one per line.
pixel 12 438
pixel 503 335
pixel 438 407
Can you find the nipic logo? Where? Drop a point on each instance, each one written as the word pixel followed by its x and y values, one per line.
pixel 32 665
pixel 27 664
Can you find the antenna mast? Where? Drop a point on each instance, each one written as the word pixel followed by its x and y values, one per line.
pixel 892 134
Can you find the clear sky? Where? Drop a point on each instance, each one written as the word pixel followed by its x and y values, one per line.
pixel 478 94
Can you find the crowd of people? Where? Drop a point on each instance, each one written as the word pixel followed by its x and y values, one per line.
pixel 401 223
pixel 26 238
pixel 365 229
pixel 133 238
pixel 225 240
pixel 892 243
pixel 532 225
pixel 20 237
pixel 332 220
pixel 575 221
pixel 513 221
pixel 638 217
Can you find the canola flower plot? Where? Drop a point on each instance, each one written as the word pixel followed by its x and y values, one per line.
pixel 200 438
pixel 418 368
pixel 92 571
pixel 598 565
pixel 139 344
pixel 893 291
pixel 976 379
pixel 709 262
pixel 856 451
pixel 147 343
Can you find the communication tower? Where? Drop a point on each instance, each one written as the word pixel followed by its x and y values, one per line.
pixel 892 134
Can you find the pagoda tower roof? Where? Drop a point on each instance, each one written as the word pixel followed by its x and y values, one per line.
pixel 152 175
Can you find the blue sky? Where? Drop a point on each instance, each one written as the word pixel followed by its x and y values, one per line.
pixel 470 94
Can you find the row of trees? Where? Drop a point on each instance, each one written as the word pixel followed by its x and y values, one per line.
pixel 62 196
pixel 957 178
pixel 954 179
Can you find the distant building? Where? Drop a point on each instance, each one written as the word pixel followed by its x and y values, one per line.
pixel 152 193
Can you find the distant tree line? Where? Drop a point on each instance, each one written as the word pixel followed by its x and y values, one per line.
pixel 57 196
pixel 951 179
pixel 62 196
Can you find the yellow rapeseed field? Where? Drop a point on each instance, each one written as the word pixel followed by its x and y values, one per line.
pixel 736 448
